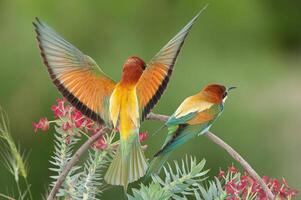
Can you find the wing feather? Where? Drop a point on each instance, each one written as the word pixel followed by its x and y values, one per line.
pixel 190 108
pixel 155 77
pixel 76 75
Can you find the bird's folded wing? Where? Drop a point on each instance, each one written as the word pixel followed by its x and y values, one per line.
pixel 189 109
pixel 77 76
pixel 155 77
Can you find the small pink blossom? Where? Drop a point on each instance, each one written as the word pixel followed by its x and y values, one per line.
pixel 232 169
pixel 143 136
pixel 61 103
pixel 42 124
pixel 59 109
pixel 100 144
pixel 238 186
pixel 266 179
pixel 292 192
pixel 89 125
pixel 66 126
pixel 77 118
pixel 221 174
pixel 230 188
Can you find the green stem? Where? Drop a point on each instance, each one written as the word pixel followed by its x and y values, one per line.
pixel 28 188
pixel 19 189
pixel 6 197
pixel 83 132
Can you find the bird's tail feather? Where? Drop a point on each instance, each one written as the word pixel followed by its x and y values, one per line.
pixel 157 163
pixel 127 166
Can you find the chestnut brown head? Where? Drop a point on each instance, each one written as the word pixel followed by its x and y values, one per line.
pixel 216 92
pixel 134 61
pixel 132 69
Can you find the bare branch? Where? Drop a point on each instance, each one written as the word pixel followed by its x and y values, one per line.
pixel 157 117
pixel 6 197
pixel 240 160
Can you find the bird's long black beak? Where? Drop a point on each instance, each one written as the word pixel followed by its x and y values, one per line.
pixel 231 88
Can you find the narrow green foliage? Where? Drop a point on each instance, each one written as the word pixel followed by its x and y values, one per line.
pixel 177 184
pixel 14 158
pixel 14 161
pixel 63 149
pixel 89 181
pixel 214 191
pixel 83 181
pixel 186 177
pixel 152 192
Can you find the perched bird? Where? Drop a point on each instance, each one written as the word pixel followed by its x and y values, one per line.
pixel 194 116
pixel 121 105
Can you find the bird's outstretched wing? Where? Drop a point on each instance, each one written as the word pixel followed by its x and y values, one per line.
pixel 155 77
pixel 76 75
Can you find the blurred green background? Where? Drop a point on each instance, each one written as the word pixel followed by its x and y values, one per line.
pixel 252 44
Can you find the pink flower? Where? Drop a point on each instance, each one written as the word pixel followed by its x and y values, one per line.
pixel 66 126
pixel 143 136
pixel 283 193
pixel 243 184
pixel 275 185
pixel 57 112
pixel 61 103
pixel 221 174
pixel 232 169
pixel 89 125
pixel 59 109
pixel 100 144
pixel 238 186
pixel 78 118
pixel 266 179
pixel 230 188
pixel 42 124
pixel 292 193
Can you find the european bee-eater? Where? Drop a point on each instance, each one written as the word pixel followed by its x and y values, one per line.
pixel 121 105
pixel 194 116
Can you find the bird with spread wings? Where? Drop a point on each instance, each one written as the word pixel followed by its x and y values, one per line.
pixel 121 105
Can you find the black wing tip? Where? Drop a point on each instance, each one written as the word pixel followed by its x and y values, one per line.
pixel 195 18
pixel 36 22
pixel 38 25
